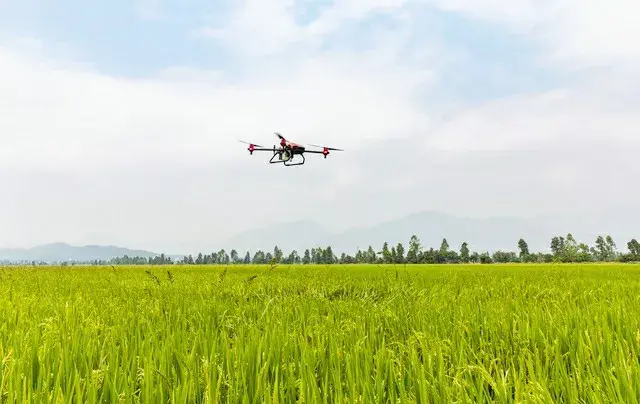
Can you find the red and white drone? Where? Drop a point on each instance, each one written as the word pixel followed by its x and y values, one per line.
pixel 288 150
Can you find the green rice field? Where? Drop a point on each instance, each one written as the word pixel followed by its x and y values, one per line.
pixel 354 333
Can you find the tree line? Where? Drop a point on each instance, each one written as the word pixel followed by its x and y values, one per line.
pixel 563 249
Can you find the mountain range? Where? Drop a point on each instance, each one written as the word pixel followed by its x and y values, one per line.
pixel 489 234
pixel 60 252
pixel 482 234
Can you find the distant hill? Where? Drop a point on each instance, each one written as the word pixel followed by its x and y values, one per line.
pixel 59 252
pixel 288 236
pixel 430 227
pixel 489 234
pixel 500 233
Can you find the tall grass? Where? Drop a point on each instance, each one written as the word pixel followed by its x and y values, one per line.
pixel 539 333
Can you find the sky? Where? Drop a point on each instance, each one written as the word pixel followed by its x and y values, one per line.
pixel 120 121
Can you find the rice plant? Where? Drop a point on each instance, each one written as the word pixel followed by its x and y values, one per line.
pixel 353 333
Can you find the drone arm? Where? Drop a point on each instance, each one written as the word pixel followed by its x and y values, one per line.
pixel 325 150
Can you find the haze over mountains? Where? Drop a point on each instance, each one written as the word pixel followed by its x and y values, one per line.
pixel 59 252
pixel 491 234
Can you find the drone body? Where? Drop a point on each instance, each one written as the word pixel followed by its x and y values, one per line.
pixel 288 150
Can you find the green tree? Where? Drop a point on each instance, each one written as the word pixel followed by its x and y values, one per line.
pixel 414 251
pixel 504 256
pixel 399 258
pixel 277 254
pixel 306 258
pixel 612 253
pixel 386 254
pixel 605 249
pixel 372 257
pixel 570 253
pixel 442 255
pixel 524 249
pixel 360 256
pixel 444 247
pixel 293 258
pixel 600 249
pixel 485 258
pixel 584 254
pixel 474 257
pixel 464 252
pixel 328 256
pixel 634 249
pixel 259 258
pixel 223 257
pixel 557 247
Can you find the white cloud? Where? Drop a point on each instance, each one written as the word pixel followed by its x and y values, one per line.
pixel 562 119
pixel 353 10
pixel 260 28
pixel 577 33
pixel 54 114
pixel 592 32
pixel 517 14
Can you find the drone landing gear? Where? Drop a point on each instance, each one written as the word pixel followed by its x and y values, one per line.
pixel 288 163
pixel 287 159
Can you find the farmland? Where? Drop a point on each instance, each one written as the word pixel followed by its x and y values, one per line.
pixel 309 333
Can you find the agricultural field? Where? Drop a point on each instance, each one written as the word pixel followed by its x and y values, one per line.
pixel 351 333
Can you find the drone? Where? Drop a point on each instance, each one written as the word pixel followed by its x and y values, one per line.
pixel 288 150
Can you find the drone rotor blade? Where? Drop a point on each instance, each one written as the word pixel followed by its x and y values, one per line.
pixel 256 145
pixel 324 147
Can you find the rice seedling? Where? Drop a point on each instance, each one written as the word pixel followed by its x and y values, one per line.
pixel 353 333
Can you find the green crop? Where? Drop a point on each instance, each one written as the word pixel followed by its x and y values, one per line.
pixel 353 333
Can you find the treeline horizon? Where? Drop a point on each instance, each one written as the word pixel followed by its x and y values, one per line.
pixel 564 249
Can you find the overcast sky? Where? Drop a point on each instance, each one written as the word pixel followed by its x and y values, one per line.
pixel 119 120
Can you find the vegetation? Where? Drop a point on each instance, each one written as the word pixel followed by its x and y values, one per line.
pixel 312 333
pixel 563 249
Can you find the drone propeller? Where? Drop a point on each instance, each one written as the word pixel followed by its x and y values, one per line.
pixel 326 148
pixel 251 147
pixel 250 144
pixel 283 141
